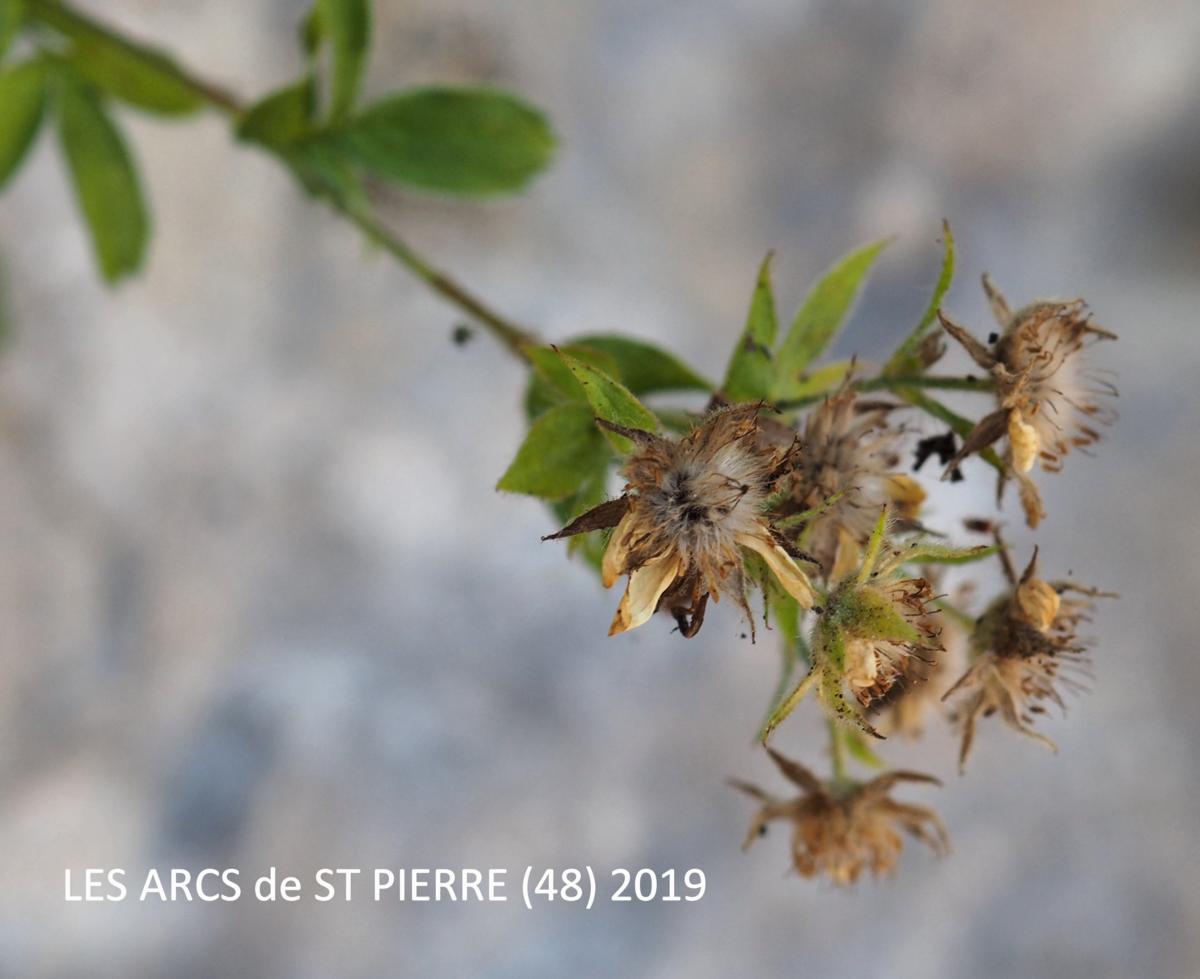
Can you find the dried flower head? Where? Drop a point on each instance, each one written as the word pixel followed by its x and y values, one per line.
pixel 1025 647
pixel 690 509
pixel 842 827
pixel 903 708
pixel 846 470
pixel 890 634
pixel 876 627
pixel 1049 399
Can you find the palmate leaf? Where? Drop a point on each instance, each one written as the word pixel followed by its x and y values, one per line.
pixel 22 103
pixel 106 182
pixel 463 141
pixel 821 317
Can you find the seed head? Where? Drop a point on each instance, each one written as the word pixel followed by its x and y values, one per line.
pixel 1048 399
pixel 1025 648
pixel 841 827
pixel 690 511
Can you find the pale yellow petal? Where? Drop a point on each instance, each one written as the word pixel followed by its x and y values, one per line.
pixel 615 555
pixel 645 588
pixel 1024 440
pixel 1031 500
pixel 861 666
pixel 795 582
pixel 1038 603
pixel 906 493
pixel 848 555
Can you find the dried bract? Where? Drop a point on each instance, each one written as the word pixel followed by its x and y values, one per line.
pixel 848 468
pixel 1048 399
pixel 691 509
pixel 1024 649
pixel 842 827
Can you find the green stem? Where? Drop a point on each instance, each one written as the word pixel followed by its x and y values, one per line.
pixel 71 23
pixel 788 662
pixel 788 705
pixel 837 749
pixel 514 338
pixel 899 383
pixel 74 24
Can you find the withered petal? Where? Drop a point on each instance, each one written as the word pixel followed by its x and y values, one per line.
pixel 977 351
pixel 601 517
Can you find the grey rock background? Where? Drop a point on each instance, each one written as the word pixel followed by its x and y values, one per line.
pixel 260 605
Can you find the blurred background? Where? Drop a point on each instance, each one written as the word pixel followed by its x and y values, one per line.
pixel 260 605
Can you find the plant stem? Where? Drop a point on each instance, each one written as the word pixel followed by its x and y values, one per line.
pixel 899 383
pixel 837 751
pixel 789 705
pixel 80 26
pixel 514 338
pixel 787 668
pixel 71 23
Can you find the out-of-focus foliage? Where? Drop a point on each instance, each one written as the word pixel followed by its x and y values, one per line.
pixel 22 99
pixel 106 182
pixel 459 141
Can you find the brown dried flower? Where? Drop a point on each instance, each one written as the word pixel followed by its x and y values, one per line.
pixel 842 827
pixel 846 470
pixel 1049 400
pixel 690 510
pixel 1024 648
pixel 902 709
pixel 896 641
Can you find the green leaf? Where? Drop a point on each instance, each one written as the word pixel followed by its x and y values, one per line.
pixel 610 399
pixel 821 316
pixel 874 544
pixel 643 367
pixel 11 13
pixel 283 117
pixel 312 33
pixel 562 450
pixel 903 360
pixel 466 141
pixel 812 384
pixel 106 181
pixel 551 381
pixel 22 101
pixel 921 553
pixel 140 77
pixel 856 745
pixel 750 374
pixel 348 25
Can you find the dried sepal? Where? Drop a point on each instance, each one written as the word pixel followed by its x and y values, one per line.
pixel 1025 648
pixel 691 509
pixel 841 828
pixel 1048 400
